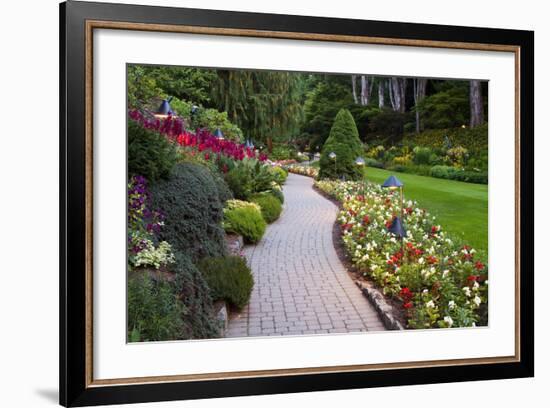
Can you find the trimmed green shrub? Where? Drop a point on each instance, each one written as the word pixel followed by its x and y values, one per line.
pixel 270 206
pixel 150 154
pixel 344 141
pixel 193 211
pixel 452 173
pixel 422 155
pixel 200 320
pixel 369 162
pixel 245 221
pixel 279 175
pixel 154 311
pixel 229 279
pixel 278 193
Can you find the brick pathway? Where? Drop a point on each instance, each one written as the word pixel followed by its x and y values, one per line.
pixel 301 287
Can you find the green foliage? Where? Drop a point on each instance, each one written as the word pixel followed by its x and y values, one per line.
pixel 269 204
pixel 207 118
pixel 245 221
pixel 200 321
pixel 329 94
pixel 229 279
pixel 150 154
pixel 249 176
pixel 446 109
pixel 193 208
pixel 388 125
pixel 422 155
pixel 154 311
pixel 370 162
pixel 453 173
pixel 278 194
pixel 266 105
pixel 279 175
pixel 146 82
pixel 476 140
pixel 344 141
pixel 282 152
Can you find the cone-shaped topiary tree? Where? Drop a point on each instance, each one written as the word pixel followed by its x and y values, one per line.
pixel 344 141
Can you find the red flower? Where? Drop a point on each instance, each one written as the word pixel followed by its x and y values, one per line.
pixel 431 260
pixel 479 266
pixel 405 294
pixel 408 305
pixel 472 278
pixel 434 229
pixel 366 219
pixel 206 156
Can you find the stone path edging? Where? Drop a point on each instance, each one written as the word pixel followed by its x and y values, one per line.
pixel 378 300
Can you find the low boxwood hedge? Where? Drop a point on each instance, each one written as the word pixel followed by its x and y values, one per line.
pixel 229 279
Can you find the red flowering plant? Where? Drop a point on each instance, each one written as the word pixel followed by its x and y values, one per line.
pixel 201 142
pixel 439 282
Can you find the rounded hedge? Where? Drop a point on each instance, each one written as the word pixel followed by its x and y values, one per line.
pixel 199 321
pixel 270 206
pixel 344 141
pixel 245 221
pixel 193 210
pixel 229 279
pixel 279 175
pixel 150 154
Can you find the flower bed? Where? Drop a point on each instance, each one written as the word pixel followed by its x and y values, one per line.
pixel 302 170
pixel 439 282
pixel 201 140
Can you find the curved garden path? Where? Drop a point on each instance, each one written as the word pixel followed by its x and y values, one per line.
pixel 301 287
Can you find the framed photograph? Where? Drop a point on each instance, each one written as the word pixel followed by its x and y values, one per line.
pixel 256 204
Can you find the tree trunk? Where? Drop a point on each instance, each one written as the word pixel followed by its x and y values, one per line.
pixel 397 94
pixel 354 88
pixel 419 94
pixel 476 104
pixel 380 93
pixel 364 90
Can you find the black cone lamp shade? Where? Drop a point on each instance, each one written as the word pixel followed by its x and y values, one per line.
pixel 164 109
pixel 392 182
pixel 397 228
pixel 218 134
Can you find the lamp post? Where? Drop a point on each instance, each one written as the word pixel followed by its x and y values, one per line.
pixel 332 156
pixel 164 109
pixel 194 111
pixel 394 183
pixel 218 134
pixel 360 162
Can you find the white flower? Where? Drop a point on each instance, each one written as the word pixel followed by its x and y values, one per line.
pixel 430 304
pixel 467 291
pixel 476 285
pixel 359 247
pixel 445 273
pixel 421 261
pixel 477 300
pixel 425 291
pixel 452 304
pixel 448 320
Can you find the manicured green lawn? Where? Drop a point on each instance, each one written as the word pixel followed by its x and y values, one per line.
pixel 460 208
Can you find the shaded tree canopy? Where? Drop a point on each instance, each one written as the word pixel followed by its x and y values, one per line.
pixel 298 109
